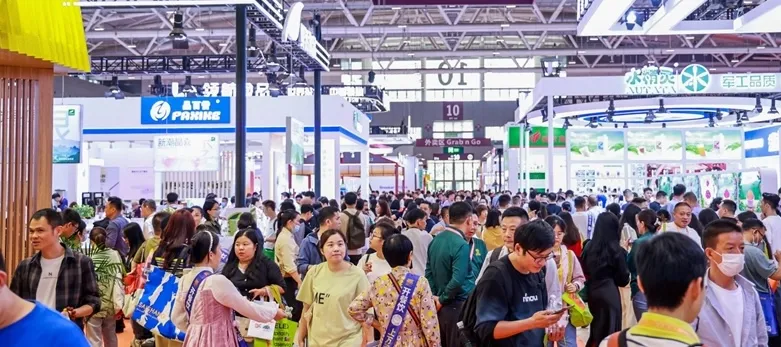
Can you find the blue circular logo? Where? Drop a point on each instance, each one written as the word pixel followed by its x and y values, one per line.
pixel 695 78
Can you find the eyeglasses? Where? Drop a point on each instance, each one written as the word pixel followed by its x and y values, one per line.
pixel 542 258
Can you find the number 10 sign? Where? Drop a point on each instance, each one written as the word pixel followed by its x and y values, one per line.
pixel 452 111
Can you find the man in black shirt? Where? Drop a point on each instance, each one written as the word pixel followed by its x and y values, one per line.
pixel 512 296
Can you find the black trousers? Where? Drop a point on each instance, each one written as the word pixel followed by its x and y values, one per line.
pixel 139 332
pixel 291 287
pixel 448 316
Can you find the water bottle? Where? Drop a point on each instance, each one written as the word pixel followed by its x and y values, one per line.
pixel 466 342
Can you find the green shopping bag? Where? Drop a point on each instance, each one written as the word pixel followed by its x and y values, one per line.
pixel 284 330
pixel 579 315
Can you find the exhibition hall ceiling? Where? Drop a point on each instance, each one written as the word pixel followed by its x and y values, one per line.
pixel 590 39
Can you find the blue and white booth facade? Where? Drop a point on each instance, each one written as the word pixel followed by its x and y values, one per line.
pixel 146 147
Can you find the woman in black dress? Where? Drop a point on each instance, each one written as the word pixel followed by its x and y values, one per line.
pixel 604 264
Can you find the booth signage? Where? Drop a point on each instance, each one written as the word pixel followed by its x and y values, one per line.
pixel 761 142
pixel 67 134
pixel 653 80
pixel 477 142
pixel 452 111
pixel 294 142
pixel 187 153
pixel 742 82
pixel 203 110
pixel 453 150
pixel 294 31
pixel 538 138
pixel 721 144
pixel 460 156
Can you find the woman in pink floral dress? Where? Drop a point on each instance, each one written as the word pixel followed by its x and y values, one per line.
pixel 208 317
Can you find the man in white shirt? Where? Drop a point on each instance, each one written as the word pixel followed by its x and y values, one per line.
pixel 583 219
pixel 416 220
pixel 269 231
pixel 731 314
pixel 148 209
pixel 678 191
pixel 682 216
pixel 772 221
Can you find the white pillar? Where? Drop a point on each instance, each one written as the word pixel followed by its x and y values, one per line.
pixel 549 170
pixel 410 171
pixel 266 168
pixel 330 171
pixel 512 169
pixel 365 191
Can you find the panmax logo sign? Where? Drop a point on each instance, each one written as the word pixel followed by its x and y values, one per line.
pixel 201 110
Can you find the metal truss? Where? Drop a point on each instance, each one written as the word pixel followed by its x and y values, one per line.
pixel 359 30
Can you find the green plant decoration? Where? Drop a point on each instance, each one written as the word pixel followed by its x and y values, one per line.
pixel 734 146
pixel 617 147
pixel 85 211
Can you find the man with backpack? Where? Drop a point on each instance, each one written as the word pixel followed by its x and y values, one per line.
pixel 509 305
pixel 674 297
pixel 355 227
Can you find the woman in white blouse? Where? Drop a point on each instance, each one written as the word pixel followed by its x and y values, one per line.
pixel 207 314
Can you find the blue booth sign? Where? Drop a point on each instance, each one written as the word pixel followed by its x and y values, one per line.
pixel 199 110
pixel 761 142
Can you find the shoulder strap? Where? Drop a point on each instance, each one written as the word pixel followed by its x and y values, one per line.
pixel 412 313
pixel 570 258
pixel 495 254
pixel 617 339
pixel 199 279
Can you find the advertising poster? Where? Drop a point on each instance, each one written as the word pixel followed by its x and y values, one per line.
pixel 692 184
pixel 67 134
pixel 294 141
pixel 654 145
pixel 750 193
pixel 596 145
pixel 727 185
pixel 708 189
pixel 136 182
pixel 666 184
pixel 722 144
pixel 192 152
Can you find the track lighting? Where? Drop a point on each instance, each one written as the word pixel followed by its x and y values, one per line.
pixel 567 124
pixel 188 89
pixel 718 114
pixel 592 123
pixel 661 106
pixel 758 106
pixel 773 109
pixel 744 116
pixel 272 65
pixel 177 35
pixel 626 126
pixel 664 125
pixel 114 91
pixel 371 77
pixel 711 123
pixel 650 116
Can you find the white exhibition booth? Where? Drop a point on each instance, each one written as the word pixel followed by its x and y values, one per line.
pixel 146 147
pixel 625 130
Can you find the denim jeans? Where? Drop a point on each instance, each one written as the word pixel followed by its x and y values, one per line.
pixel 639 305
pixel 570 337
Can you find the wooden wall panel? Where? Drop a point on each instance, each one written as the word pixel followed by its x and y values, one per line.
pixel 26 111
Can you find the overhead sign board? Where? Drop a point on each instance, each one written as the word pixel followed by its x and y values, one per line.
pixel 294 31
pixel 461 156
pixel 693 79
pixel 198 110
pixel 477 142
pixel 762 142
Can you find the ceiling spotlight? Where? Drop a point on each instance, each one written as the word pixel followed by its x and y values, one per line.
pixel 611 108
pixel 661 106
pixel 177 35
pixel 650 116
pixel 592 123
pixel 758 106
pixel 718 114
pixel 301 80
pixel 773 109
pixel 372 74
pixel 626 126
pixel 544 113
pixel 188 89
pixel 711 123
pixel 252 43
pixel 632 18
pixel 744 116
pixel 272 65
pixel 664 125
pixel 114 91
pixel 567 124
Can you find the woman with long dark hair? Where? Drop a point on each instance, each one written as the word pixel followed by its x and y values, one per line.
pixel 628 225
pixel 285 253
pixel 604 264
pixel 171 255
pixel 250 271
pixel 211 214
pixel 383 212
pixel 571 235
pixel 647 224
pixel 134 237
pixel 208 319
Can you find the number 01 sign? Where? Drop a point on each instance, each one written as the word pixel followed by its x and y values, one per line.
pixel 452 111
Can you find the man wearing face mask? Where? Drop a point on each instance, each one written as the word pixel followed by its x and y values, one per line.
pixel 732 314
pixel 759 268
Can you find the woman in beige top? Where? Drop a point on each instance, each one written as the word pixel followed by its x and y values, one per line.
pixel 285 253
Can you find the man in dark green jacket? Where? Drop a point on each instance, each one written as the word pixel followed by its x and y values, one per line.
pixel 448 271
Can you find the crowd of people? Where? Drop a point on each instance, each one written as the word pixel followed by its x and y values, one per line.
pixel 429 269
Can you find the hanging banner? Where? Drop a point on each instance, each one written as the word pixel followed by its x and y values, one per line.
pixel 538 138
pixel 67 134
pixel 294 142
pixel 192 152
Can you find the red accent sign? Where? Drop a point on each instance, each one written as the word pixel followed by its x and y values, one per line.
pixel 480 142
pixel 452 111
pixel 453 2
